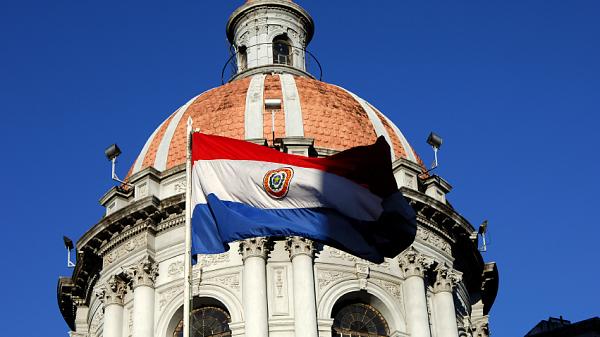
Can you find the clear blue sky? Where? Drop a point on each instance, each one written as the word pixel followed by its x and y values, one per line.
pixel 512 86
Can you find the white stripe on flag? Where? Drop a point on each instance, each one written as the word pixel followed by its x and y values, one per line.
pixel 242 181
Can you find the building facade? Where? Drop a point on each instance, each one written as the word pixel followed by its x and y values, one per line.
pixel 128 279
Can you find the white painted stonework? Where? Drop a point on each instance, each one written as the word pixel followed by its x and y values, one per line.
pixel 129 276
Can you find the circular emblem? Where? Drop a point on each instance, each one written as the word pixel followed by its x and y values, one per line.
pixel 277 182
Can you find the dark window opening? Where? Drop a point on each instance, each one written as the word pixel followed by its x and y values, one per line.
pixel 207 322
pixel 242 58
pixel 282 50
pixel 359 320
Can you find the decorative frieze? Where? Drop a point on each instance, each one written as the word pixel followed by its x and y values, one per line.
pixel 166 296
pixel 230 281
pixel 112 291
pixel 446 278
pixel 210 260
pixel 175 269
pixel 338 254
pixel 434 240
pixel 255 247
pixel 392 288
pixel 413 263
pixel 142 273
pixel 125 249
pixel 296 245
pixel 326 277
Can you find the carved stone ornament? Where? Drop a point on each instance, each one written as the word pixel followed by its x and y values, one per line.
pixel 338 254
pixel 362 273
pixel 446 278
pixel 143 273
pixel 255 247
pixel 209 260
pixel 299 246
pixel 77 334
pixel 433 239
pixel 481 329
pixel 413 263
pixel 112 291
pixel 166 296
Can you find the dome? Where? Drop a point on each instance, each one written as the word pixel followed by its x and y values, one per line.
pixel 334 117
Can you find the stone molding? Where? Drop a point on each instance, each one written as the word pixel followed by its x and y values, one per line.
pixel 142 273
pixel 481 328
pixel 297 245
pixel 112 291
pixel 414 263
pixel 446 278
pixel 255 247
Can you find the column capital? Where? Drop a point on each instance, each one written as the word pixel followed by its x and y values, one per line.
pixel 446 278
pixel 142 273
pixel 481 329
pixel 414 263
pixel 255 247
pixel 297 245
pixel 112 291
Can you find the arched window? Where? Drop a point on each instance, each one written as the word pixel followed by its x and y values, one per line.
pixel 207 321
pixel 359 320
pixel 242 55
pixel 282 50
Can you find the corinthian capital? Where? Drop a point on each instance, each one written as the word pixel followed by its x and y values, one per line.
pixel 142 273
pixel 112 291
pixel 481 328
pixel 255 247
pixel 299 246
pixel 413 263
pixel 446 278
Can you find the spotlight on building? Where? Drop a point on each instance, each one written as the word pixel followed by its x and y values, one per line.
pixel 273 104
pixel 69 246
pixel 482 232
pixel 436 142
pixel 111 153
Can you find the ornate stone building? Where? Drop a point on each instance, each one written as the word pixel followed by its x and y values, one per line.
pixel 128 279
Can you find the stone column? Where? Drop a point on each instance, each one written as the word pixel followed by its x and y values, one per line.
pixel 305 307
pixel 443 301
pixel 111 294
pixel 142 276
pixel 254 289
pixel 414 265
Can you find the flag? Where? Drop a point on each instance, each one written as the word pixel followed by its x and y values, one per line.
pixel 349 200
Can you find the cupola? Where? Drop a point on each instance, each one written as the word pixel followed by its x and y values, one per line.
pixel 269 36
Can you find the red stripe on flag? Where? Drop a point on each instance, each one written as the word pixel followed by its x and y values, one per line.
pixel 370 166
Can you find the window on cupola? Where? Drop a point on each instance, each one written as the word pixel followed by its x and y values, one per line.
pixel 282 50
pixel 242 56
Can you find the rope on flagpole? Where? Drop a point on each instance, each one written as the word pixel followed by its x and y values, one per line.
pixel 187 274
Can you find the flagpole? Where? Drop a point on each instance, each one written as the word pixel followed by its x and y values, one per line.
pixel 187 272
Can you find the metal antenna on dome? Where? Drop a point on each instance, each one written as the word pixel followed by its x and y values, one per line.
pixel 111 153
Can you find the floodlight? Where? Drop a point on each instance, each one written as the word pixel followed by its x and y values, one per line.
pixel 434 140
pixel 68 243
pixel 112 152
pixel 273 103
pixel 69 246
